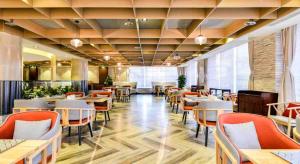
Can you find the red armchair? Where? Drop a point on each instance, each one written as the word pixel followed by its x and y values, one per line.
pixel 105 106
pixel 269 136
pixel 53 135
pixel 77 94
pixel 188 106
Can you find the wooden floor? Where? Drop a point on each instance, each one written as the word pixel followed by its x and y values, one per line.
pixel 141 131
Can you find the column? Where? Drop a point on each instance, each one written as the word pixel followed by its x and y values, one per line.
pixel 11 73
pixel 53 67
pixel 79 74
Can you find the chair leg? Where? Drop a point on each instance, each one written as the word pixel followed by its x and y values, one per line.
pixel 96 116
pixel 206 135
pixel 183 115
pixel 105 118
pixel 177 111
pixel 69 131
pixel 108 115
pixel 79 135
pixel 90 128
pixel 185 118
pixel 197 131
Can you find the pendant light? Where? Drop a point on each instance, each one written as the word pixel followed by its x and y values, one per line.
pixel 200 39
pixel 75 42
pixel 106 58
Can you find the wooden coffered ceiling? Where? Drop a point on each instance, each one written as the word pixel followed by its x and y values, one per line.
pixel 118 27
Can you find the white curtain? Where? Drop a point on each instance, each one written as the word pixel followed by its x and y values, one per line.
pixel 287 88
pixel 296 65
pixel 191 73
pixel 251 65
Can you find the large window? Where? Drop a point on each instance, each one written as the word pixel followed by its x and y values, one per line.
pixel 296 65
pixel 229 69
pixel 144 76
pixel 191 73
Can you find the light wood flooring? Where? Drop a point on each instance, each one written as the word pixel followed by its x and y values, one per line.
pixel 141 131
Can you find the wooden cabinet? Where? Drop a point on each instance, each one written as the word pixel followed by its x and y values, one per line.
pixel 255 101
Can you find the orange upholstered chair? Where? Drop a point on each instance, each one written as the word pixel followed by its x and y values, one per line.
pixel 187 106
pixel 105 106
pixel 269 136
pixel 53 134
pixel 77 94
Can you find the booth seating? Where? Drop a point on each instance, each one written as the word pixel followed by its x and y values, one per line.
pixel 11 129
pixel 268 135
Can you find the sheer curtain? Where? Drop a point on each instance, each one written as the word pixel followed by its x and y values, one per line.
pixel 296 65
pixel 144 76
pixel 191 73
pixel 213 78
pixel 229 69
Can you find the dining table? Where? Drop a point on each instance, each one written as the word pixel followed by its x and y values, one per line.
pixel 266 156
pixel 23 150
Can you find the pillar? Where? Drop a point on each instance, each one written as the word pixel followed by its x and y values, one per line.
pixel 53 67
pixel 79 74
pixel 11 71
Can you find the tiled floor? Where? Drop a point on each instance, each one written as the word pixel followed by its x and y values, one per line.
pixel 142 131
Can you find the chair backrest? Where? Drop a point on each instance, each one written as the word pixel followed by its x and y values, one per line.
pixel 77 94
pixel 74 107
pixel 266 128
pixel 295 111
pixel 31 105
pixel 298 123
pixel 105 93
pixel 190 94
pixel 217 106
pixel 7 127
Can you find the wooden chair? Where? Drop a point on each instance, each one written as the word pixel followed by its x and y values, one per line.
pixel 47 153
pixel 233 98
pixel 296 131
pixel 75 113
pixel 288 117
pixel 77 94
pixel 187 106
pixel 105 106
pixel 227 151
pixel 22 105
pixel 207 112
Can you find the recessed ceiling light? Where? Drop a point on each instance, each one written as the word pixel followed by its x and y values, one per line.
pixel 137 47
pixel 128 23
pixel 251 22
pixel 144 19
pixel 106 57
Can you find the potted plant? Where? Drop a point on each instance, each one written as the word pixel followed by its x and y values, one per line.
pixel 181 81
pixel 108 81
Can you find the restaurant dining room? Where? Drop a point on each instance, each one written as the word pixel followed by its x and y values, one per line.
pixel 150 81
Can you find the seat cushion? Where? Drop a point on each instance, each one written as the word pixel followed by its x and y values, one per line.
pixel 101 108
pixel 286 112
pixel 31 129
pixel 188 108
pixel 283 119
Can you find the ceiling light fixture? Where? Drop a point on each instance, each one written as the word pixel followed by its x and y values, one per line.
pixel 251 22
pixel 119 68
pixel 168 64
pixel 59 64
pixel 128 23
pixel 106 58
pixel 176 57
pixel 144 19
pixel 200 39
pixel 119 64
pixel 75 42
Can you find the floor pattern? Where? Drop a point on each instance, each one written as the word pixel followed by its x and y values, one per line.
pixel 141 131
